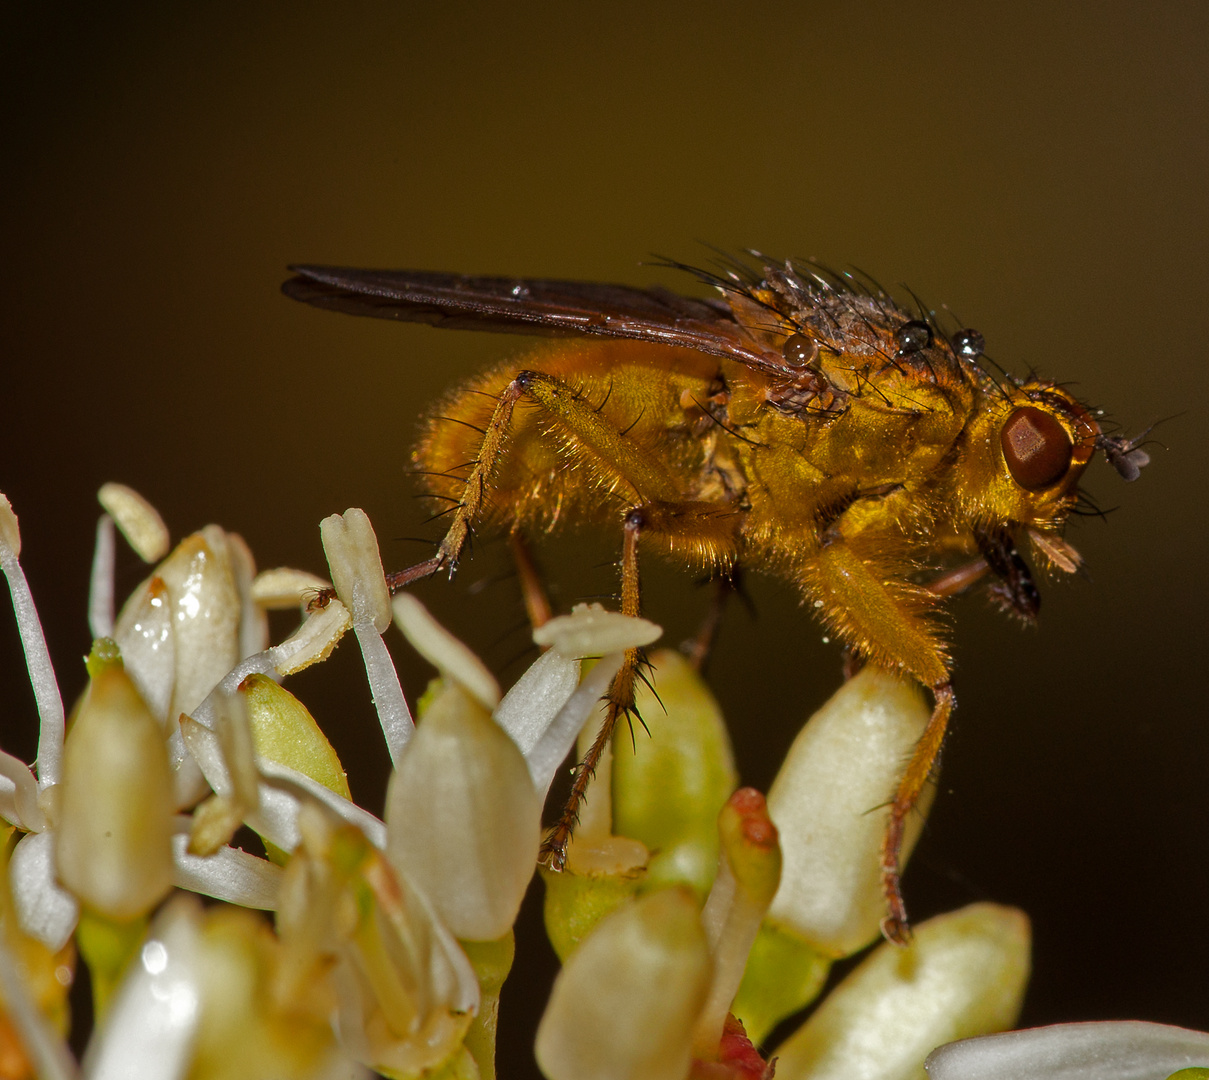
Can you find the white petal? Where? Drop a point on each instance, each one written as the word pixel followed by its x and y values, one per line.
pixel 590 630
pixel 1112 1050
pixel 144 634
pixel 536 698
pixel 148 1031
pixel 445 652
pixel 253 622
pixel 204 603
pixel 373 828
pixel 555 743
pixel 963 973
pixel 624 1005
pixel 19 803
pixel 44 909
pixel 139 521
pixel 229 874
pixel 205 748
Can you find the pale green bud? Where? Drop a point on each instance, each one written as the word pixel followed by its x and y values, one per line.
pixel 829 803
pixel 284 731
pixel 669 788
pixel 463 818
pixel 963 974
pixel 625 1005
pixel 113 847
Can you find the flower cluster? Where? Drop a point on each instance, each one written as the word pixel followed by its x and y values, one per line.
pixel 692 917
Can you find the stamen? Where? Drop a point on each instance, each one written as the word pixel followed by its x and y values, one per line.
pixel 37 655
pixel 100 586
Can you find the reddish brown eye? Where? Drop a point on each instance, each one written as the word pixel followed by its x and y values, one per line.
pixel 1036 447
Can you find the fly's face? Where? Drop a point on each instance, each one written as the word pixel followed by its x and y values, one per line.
pixel 1024 452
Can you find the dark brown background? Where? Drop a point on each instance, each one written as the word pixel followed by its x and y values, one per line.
pixel 1042 172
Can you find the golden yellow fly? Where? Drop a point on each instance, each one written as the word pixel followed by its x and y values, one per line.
pixel 801 423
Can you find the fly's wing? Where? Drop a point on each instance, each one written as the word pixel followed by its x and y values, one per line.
pixel 532 306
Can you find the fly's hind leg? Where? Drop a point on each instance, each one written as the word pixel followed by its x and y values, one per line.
pixel 533 590
pixel 885 622
pixel 697 649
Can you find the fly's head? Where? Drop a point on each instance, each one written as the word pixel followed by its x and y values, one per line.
pixel 1026 449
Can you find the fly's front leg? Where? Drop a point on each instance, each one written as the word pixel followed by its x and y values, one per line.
pixel 677 524
pixel 884 619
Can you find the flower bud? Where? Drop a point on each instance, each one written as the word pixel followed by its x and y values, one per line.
pixel 193 597
pixel 284 731
pixel 113 847
pixel 463 819
pixel 829 803
pixel 625 1005
pixel 668 789
pixel 963 974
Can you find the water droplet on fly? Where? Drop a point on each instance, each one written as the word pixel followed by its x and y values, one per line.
pixel 826 640
pixel 818 603
pixel 969 343
pixel 520 291
pixel 800 351
pixel 913 337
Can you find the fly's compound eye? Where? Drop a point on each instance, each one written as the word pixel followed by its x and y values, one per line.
pixel 800 351
pixel 913 337
pixel 1036 447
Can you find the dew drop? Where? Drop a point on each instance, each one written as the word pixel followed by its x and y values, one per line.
pixel 913 337
pixel 969 343
pixel 800 351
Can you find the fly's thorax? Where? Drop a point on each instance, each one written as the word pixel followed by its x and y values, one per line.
pixel 1021 456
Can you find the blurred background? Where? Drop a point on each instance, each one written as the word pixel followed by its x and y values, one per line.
pixel 1039 169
